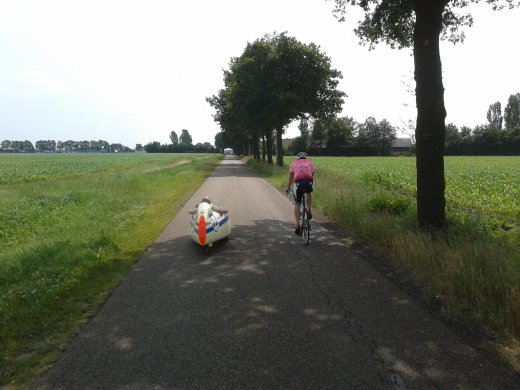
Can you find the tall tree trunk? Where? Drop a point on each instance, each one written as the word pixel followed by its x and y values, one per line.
pixel 269 146
pixel 256 150
pixel 431 114
pixel 279 147
pixel 263 148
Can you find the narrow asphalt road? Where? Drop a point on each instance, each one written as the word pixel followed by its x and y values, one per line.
pixel 264 311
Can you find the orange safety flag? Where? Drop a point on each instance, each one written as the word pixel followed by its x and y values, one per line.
pixel 202 230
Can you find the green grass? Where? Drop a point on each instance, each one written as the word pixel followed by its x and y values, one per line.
pixel 473 266
pixel 71 227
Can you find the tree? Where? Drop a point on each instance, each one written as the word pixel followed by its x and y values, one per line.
pixel 452 139
pixel 512 112
pixel 494 115
pixel 219 142
pixel 487 140
pixel 339 135
pixel 301 143
pixel 304 84
pixel 275 81
pixel 45 146
pixel 318 137
pixel 512 140
pixel 6 146
pixel 185 138
pixel 421 24
pixel 153 147
pixel 375 138
pixel 174 138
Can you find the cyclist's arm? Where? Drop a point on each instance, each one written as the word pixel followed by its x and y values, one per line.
pixel 291 179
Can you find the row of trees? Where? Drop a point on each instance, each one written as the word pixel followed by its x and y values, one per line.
pixel 511 117
pixel 180 144
pixel 500 136
pixel 157 147
pixel 344 136
pixel 51 146
pixel 276 80
pixel 482 140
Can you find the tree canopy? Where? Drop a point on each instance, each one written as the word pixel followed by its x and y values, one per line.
pixel 174 138
pixel 275 81
pixel 185 138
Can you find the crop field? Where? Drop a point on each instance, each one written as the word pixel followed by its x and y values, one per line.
pixel 485 186
pixel 71 226
pixel 25 168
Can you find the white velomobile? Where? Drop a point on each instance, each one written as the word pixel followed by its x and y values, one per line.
pixel 209 224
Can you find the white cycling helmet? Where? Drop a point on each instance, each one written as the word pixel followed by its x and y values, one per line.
pixel 301 155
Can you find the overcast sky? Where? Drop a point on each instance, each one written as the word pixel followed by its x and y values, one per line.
pixel 132 71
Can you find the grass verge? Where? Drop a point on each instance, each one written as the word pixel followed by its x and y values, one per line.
pixel 470 270
pixel 66 242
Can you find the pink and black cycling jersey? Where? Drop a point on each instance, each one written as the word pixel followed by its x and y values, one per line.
pixel 302 169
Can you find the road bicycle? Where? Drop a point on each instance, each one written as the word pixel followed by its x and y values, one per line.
pixel 305 222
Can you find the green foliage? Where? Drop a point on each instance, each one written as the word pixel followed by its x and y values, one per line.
pixel 374 138
pixel 392 205
pixel 393 22
pixel 494 115
pixel 24 168
pixel 174 138
pixel 185 137
pixel 512 112
pixel 276 80
pixel 482 140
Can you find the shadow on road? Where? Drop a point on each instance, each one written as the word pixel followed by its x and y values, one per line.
pixel 279 315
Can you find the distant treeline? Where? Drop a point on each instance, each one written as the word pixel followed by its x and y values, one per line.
pixel 157 147
pixel 346 137
pixel 51 146
pixel 482 140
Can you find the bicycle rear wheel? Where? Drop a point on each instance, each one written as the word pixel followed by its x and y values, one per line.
pixel 305 227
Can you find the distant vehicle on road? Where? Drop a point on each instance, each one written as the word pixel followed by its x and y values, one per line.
pixel 228 151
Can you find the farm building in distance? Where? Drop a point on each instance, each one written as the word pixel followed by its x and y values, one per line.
pixel 402 145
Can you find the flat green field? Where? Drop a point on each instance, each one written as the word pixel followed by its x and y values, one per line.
pixel 484 186
pixel 71 226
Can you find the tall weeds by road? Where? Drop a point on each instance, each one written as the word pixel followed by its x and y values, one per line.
pixel 472 267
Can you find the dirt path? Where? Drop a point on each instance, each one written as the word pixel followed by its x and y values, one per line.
pixel 264 311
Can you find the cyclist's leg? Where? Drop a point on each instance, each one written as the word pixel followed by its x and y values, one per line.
pixel 308 204
pixel 308 198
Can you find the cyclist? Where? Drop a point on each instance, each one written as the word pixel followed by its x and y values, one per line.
pixel 302 174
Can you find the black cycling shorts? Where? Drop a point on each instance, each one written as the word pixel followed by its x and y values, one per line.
pixel 303 185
